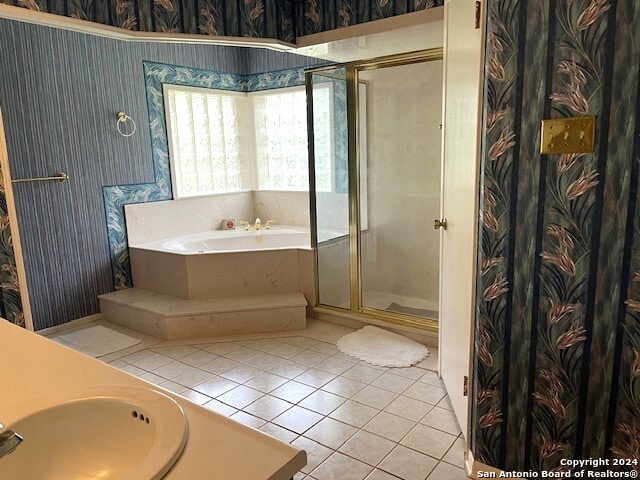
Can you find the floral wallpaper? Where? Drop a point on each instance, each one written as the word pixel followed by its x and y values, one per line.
pixel 314 16
pixel 117 196
pixel 557 330
pixel 10 299
pixel 281 19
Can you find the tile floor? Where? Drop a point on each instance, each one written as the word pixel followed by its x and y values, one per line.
pixel 355 421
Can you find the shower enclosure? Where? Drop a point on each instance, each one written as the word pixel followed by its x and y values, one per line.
pixel 375 175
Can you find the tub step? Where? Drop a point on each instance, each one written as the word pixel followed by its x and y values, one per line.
pixel 173 318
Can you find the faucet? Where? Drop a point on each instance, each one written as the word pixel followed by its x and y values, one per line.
pixel 9 441
pixel 257 225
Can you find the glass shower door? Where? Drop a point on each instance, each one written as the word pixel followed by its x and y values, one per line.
pixel 400 138
pixel 327 123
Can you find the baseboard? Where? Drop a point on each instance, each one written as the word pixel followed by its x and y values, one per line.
pixel 351 320
pixel 46 332
pixel 474 468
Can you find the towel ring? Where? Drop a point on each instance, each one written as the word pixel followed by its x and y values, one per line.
pixel 122 120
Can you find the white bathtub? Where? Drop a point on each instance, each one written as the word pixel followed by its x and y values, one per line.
pixel 228 241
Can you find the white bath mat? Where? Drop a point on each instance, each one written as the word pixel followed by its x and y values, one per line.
pixel 381 347
pixel 96 341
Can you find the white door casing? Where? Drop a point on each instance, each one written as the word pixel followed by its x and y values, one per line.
pixel 462 120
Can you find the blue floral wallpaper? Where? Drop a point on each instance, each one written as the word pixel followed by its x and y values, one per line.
pixel 557 364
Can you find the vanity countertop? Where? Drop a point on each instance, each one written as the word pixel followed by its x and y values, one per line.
pixel 217 448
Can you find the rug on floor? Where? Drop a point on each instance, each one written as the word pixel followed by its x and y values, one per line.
pixel 383 348
pixel 96 341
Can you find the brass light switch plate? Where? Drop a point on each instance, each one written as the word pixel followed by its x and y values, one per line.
pixel 568 135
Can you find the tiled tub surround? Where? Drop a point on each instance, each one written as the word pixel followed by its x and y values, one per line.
pixel 148 222
pixel 354 420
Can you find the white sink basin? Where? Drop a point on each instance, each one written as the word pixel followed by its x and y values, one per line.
pixel 125 434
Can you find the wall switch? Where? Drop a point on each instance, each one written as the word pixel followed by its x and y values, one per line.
pixel 568 135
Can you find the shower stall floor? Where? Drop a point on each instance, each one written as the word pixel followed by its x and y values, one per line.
pixel 396 303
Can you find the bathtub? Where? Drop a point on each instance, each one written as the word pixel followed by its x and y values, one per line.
pixel 227 263
pixel 228 241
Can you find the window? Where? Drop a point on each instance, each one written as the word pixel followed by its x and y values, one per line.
pixel 208 141
pixel 223 141
pixel 280 120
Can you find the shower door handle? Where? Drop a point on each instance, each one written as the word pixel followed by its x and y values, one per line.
pixel 440 224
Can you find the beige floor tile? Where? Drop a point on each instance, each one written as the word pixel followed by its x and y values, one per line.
pixel 288 369
pixel 266 382
pixel 293 391
pixel 425 393
pixel 192 378
pixel 392 382
pixel 242 354
pixel 331 433
pixel 353 413
pixel 455 455
pixel 278 432
pixel 362 373
pixel 247 419
pixel 297 419
pixel 445 403
pixel 302 342
pixel 323 347
pixel 216 386
pixel 389 426
pixel 367 447
pixel 151 377
pixel 442 419
pixel 431 362
pixel 221 348
pixel 240 396
pixel 198 358
pixel 315 378
pixel 322 402
pixel 219 365
pixel 316 453
pixel 344 387
pixel 341 467
pixel 133 370
pixel 429 441
pixel 173 369
pixel 196 397
pixel 335 364
pixel 221 408
pixel 265 361
pixel 431 378
pixel 414 373
pixel 134 357
pixel 268 407
pixel 286 350
pixel 381 475
pixel 408 464
pixel 444 471
pixel 309 358
pixel 173 386
pixel 374 397
pixel 241 373
pixel 151 362
pixel 409 408
pixel 175 351
pixel 265 344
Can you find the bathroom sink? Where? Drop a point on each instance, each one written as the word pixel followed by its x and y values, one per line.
pixel 121 433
